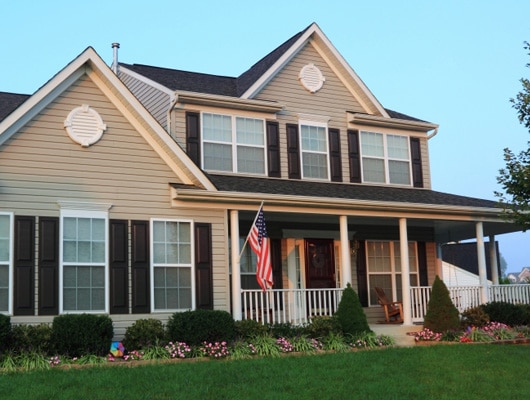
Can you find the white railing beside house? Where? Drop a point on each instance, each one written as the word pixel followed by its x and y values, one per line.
pixel 295 306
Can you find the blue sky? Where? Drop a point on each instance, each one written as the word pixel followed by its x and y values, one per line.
pixel 454 63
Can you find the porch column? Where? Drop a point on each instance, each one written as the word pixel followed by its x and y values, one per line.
pixel 405 271
pixel 236 269
pixel 345 256
pixel 481 257
pixel 493 261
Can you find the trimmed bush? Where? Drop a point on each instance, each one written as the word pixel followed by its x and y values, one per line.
pixel 144 333
pixel 5 331
pixel 248 328
pixel 77 335
pixel 322 326
pixel 442 315
pixel 475 316
pixel 31 338
pixel 195 327
pixel 285 329
pixel 507 313
pixel 350 313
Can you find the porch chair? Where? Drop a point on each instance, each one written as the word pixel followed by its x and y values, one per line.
pixel 393 309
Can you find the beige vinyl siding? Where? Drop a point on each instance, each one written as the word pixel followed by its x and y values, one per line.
pixel 154 100
pixel 425 163
pixel 40 165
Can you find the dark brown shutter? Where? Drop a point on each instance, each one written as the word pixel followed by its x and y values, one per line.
pixel 273 149
pixel 354 156
pixel 362 274
pixel 293 152
pixel 422 263
pixel 276 261
pixel 118 263
pixel 48 265
pixel 335 161
pixel 24 279
pixel 193 137
pixel 203 266
pixel 140 267
pixel 415 155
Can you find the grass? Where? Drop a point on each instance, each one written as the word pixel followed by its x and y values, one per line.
pixel 459 371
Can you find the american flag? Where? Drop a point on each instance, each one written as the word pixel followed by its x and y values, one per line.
pixel 259 242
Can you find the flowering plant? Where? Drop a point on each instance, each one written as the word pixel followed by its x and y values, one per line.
pixel 133 355
pixel 427 335
pixel 178 350
pixel 55 360
pixel 284 345
pixel 215 350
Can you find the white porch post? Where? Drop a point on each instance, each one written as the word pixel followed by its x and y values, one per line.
pixel 493 261
pixel 236 270
pixel 481 257
pixel 345 251
pixel 405 271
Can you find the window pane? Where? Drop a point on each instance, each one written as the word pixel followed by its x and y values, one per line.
pixel 159 253
pixel 98 229
pixel 84 229
pixel 4 288
pixel 372 144
pixel 217 157
pixel 184 298
pixel 172 253
pixel 382 281
pixel 250 131
pixel 399 172
pixel 398 147
pixel 217 127
pixel 315 165
pixel 314 138
pixel 4 238
pixel 69 299
pixel 251 160
pixel 373 170
pixel 172 232
pixel 159 231
pixel 185 277
pixel 84 252
pixel 69 228
pixel 4 250
pixel 379 256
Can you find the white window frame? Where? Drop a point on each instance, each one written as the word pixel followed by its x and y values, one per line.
pixel 155 265
pixel 318 124
pixel 414 269
pixel 9 263
pixel 234 144
pixel 386 158
pixel 95 213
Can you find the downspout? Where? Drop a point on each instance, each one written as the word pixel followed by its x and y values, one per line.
pixel 172 101
pixel 432 134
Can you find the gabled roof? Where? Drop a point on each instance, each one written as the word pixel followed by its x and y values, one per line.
pixel 9 102
pixel 90 63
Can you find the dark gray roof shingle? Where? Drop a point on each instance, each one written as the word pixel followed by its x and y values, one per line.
pixel 9 102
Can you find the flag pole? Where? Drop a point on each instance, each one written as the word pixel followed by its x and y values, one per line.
pixel 248 234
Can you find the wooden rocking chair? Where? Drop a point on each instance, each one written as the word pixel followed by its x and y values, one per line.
pixel 393 309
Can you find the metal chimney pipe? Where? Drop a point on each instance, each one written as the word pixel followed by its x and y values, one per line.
pixel 114 66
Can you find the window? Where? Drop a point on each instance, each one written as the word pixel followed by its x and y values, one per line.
pixel 385 158
pixel 6 233
pixel 384 268
pixel 84 261
pixel 314 151
pixel 172 273
pixel 233 144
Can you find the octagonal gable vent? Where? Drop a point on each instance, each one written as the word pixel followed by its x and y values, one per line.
pixel 84 125
pixel 311 77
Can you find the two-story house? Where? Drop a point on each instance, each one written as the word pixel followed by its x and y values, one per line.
pixel 130 189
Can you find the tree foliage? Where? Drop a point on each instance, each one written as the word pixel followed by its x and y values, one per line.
pixel 515 177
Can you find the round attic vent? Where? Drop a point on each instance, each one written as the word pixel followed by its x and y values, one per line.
pixel 84 125
pixel 311 78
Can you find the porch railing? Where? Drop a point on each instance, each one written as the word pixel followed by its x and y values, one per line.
pixel 295 306
pixel 298 306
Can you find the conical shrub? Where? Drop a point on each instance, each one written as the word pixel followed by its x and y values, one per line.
pixel 350 313
pixel 442 315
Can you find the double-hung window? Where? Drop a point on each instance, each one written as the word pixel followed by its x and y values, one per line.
pixel 172 260
pixel 6 260
pixel 385 158
pixel 384 268
pixel 233 144
pixel 314 150
pixel 84 267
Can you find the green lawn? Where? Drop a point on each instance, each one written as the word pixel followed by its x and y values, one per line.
pixel 460 371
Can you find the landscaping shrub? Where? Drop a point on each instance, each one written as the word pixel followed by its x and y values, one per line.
pixel 195 327
pixel 248 327
pixel 285 330
pixel 77 335
pixel 5 331
pixel 442 315
pixel 322 326
pixel 350 313
pixel 474 316
pixel 144 333
pixel 31 338
pixel 507 313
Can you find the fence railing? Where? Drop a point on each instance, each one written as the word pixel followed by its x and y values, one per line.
pixel 295 306
pixel 298 306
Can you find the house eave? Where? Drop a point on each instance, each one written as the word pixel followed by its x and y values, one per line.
pixel 185 97
pixel 395 123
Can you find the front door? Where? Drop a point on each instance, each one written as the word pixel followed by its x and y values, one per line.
pixel 319 263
